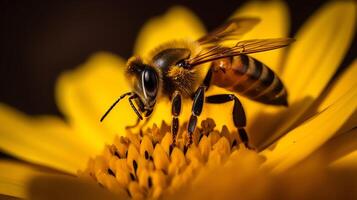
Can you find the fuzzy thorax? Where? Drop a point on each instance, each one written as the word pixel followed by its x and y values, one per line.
pixel 185 80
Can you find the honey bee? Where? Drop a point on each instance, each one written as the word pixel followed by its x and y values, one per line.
pixel 172 71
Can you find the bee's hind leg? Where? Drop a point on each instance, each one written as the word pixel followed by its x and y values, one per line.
pixel 239 117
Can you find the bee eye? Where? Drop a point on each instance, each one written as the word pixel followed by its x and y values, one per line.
pixel 150 82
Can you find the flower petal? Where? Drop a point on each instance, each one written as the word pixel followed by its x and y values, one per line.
pixel 305 139
pixel 32 182
pixel 338 150
pixel 275 22
pixel 338 87
pixel 177 23
pixel 314 180
pixel 14 176
pixel 312 61
pixel 84 95
pixel 332 93
pixel 320 47
pixel 46 141
pixel 347 161
pixel 63 187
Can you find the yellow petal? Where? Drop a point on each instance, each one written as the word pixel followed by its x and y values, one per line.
pixel 177 23
pixel 337 88
pixel 66 188
pixel 312 60
pixel 84 95
pixel 320 47
pixel 338 150
pixel 314 180
pixel 332 93
pixel 46 141
pixel 347 152
pixel 305 139
pixel 15 176
pixel 275 22
pixel 347 161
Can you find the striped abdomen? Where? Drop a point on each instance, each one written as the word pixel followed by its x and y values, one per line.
pixel 249 77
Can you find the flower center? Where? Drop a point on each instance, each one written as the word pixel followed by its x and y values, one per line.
pixel 146 165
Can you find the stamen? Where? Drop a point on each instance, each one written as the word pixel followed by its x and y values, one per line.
pixel 234 143
pixel 150 182
pixel 148 165
pixel 135 165
pixel 110 172
pixel 132 177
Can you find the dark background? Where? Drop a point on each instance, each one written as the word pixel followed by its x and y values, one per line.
pixel 40 40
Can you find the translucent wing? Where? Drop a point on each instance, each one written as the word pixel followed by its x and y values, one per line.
pixel 242 47
pixel 233 29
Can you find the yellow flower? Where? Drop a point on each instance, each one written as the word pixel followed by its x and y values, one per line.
pixel 307 150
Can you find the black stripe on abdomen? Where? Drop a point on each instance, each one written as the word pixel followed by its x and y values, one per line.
pixel 253 72
pixel 275 94
pixel 262 83
pixel 245 64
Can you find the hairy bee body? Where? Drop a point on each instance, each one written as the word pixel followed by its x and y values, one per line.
pixel 249 77
pixel 164 59
pixel 173 70
pixel 240 74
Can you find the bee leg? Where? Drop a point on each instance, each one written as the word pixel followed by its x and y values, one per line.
pixel 134 125
pixel 136 111
pixel 133 106
pixel 208 77
pixel 197 107
pixel 139 111
pixel 239 118
pixel 175 111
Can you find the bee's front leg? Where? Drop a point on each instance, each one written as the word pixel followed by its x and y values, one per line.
pixel 139 112
pixel 142 125
pixel 134 125
pixel 197 106
pixel 175 111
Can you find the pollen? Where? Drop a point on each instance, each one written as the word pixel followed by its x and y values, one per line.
pixel 147 165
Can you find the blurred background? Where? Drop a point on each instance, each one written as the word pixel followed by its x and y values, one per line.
pixel 40 40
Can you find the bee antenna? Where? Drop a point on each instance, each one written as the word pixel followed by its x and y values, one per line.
pixel 114 104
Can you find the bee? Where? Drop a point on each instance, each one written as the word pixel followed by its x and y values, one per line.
pixel 172 71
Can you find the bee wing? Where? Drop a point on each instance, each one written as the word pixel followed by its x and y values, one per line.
pixel 233 29
pixel 215 52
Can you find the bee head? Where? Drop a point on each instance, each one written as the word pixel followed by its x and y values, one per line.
pixel 145 81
